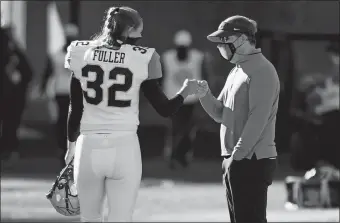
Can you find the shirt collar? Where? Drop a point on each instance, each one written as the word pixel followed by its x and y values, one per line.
pixel 251 60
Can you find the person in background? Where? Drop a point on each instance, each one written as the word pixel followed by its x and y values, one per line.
pixel 17 74
pixel 315 147
pixel 320 111
pixel 178 64
pixel 55 83
pixel 327 93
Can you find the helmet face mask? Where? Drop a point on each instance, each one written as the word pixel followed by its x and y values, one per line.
pixel 63 194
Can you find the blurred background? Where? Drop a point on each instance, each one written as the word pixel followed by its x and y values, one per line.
pixel 301 39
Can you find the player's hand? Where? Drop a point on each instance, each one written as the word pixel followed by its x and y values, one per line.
pixel 189 87
pixel 70 152
pixel 202 89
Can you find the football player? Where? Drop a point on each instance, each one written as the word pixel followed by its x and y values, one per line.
pixel 108 73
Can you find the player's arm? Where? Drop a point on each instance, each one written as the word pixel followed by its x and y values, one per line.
pixel 75 109
pixel 76 98
pixel 74 116
pixel 153 92
pixel 163 72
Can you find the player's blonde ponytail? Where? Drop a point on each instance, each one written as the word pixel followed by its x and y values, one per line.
pixel 116 27
pixel 121 23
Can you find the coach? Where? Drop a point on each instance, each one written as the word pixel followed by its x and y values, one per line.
pixel 246 109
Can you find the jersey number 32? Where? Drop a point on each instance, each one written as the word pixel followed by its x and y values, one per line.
pixel 96 85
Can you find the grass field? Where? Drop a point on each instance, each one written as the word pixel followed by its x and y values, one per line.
pixel 183 198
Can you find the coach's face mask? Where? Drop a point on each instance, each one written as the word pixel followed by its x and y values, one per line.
pixel 228 50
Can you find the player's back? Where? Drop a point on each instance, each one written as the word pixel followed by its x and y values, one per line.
pixel 110 80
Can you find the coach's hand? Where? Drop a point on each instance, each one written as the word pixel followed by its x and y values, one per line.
pixel 189 87
pixel 202 89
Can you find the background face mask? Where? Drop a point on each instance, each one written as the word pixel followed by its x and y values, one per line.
pixel 335 59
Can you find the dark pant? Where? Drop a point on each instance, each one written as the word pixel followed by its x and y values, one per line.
pixel 182 125
pixel 329 149
pixel 247 184
pixel 61 125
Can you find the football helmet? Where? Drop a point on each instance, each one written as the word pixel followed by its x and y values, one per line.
pixel 63 194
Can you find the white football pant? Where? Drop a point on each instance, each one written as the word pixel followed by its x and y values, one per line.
pixel 107 165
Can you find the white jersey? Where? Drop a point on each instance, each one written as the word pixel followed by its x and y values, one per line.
pixel 111 81
pixel 177 71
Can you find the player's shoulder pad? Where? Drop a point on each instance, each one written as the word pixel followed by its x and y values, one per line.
pixel 155 59
pixel 81 45
pixel 76 47
pixel 155 67
pixel 143 51
pixel 155 54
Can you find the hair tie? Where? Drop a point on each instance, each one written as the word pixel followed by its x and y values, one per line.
pixel 115 12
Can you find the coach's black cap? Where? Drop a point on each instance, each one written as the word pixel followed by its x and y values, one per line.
pixel 234 25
